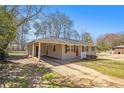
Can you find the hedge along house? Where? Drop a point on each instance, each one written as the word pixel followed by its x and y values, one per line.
pixel 59 48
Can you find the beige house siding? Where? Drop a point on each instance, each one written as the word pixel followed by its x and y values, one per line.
pixel 59 50
pixel 43 49
pixel 90 51
pixel 67 55
pixel 70 54
pixel 57 53
pixel 79 50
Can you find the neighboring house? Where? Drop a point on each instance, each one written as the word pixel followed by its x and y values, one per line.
pixel 15 46
pixel 118 49
pixel 60 48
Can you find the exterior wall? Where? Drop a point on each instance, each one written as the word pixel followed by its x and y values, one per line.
pixel 70 54
pixel 56 54
pixel 43 49
pixel 90 51
pixel 59 51
pixel 79 50
pixel 119 50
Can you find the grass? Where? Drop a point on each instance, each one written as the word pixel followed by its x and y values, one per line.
pixel 16 75
pixel 106 66
pixel 18 55
pixel 23 76
pixel 56 80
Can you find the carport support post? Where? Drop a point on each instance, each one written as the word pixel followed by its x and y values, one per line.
pixel 33 50
pixel 39 51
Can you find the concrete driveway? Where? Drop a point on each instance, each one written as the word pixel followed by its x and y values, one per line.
pixel 77 72
pixel 82 75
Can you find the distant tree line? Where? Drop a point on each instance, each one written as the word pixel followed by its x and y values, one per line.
pixel 108 41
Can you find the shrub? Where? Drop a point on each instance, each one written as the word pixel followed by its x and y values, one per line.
pixel 8 29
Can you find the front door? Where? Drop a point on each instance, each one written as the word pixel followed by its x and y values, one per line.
pixel 37 48
pixel 77 51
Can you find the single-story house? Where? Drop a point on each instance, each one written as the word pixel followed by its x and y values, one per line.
pixel 59 48
pixel 118 49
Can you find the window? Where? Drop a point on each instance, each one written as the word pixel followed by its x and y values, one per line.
pixel 72 48
pixel 87 49
pixel 93 48
pixel 67 48
pixel 82 48
pixel 54 48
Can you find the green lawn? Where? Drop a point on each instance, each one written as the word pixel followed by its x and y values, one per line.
pixel 15 75
pixel 36 75
pixel 18 53
pixel 106 66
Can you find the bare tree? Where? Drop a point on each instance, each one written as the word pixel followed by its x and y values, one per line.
pixel 41 29
pixel 24 15
pixel 38 28
pixel 58 24
pixel 67 25
pixel 86 37
pixel 75 35
pixel 21 36
pixel 53 20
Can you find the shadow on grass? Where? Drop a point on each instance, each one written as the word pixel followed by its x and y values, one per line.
pixel 16 75
pixel 20 75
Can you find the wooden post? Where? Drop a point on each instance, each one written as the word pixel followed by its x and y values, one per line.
pixel 39 51
pixel 33 50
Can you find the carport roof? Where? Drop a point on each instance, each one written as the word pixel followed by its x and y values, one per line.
pixel 60 41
